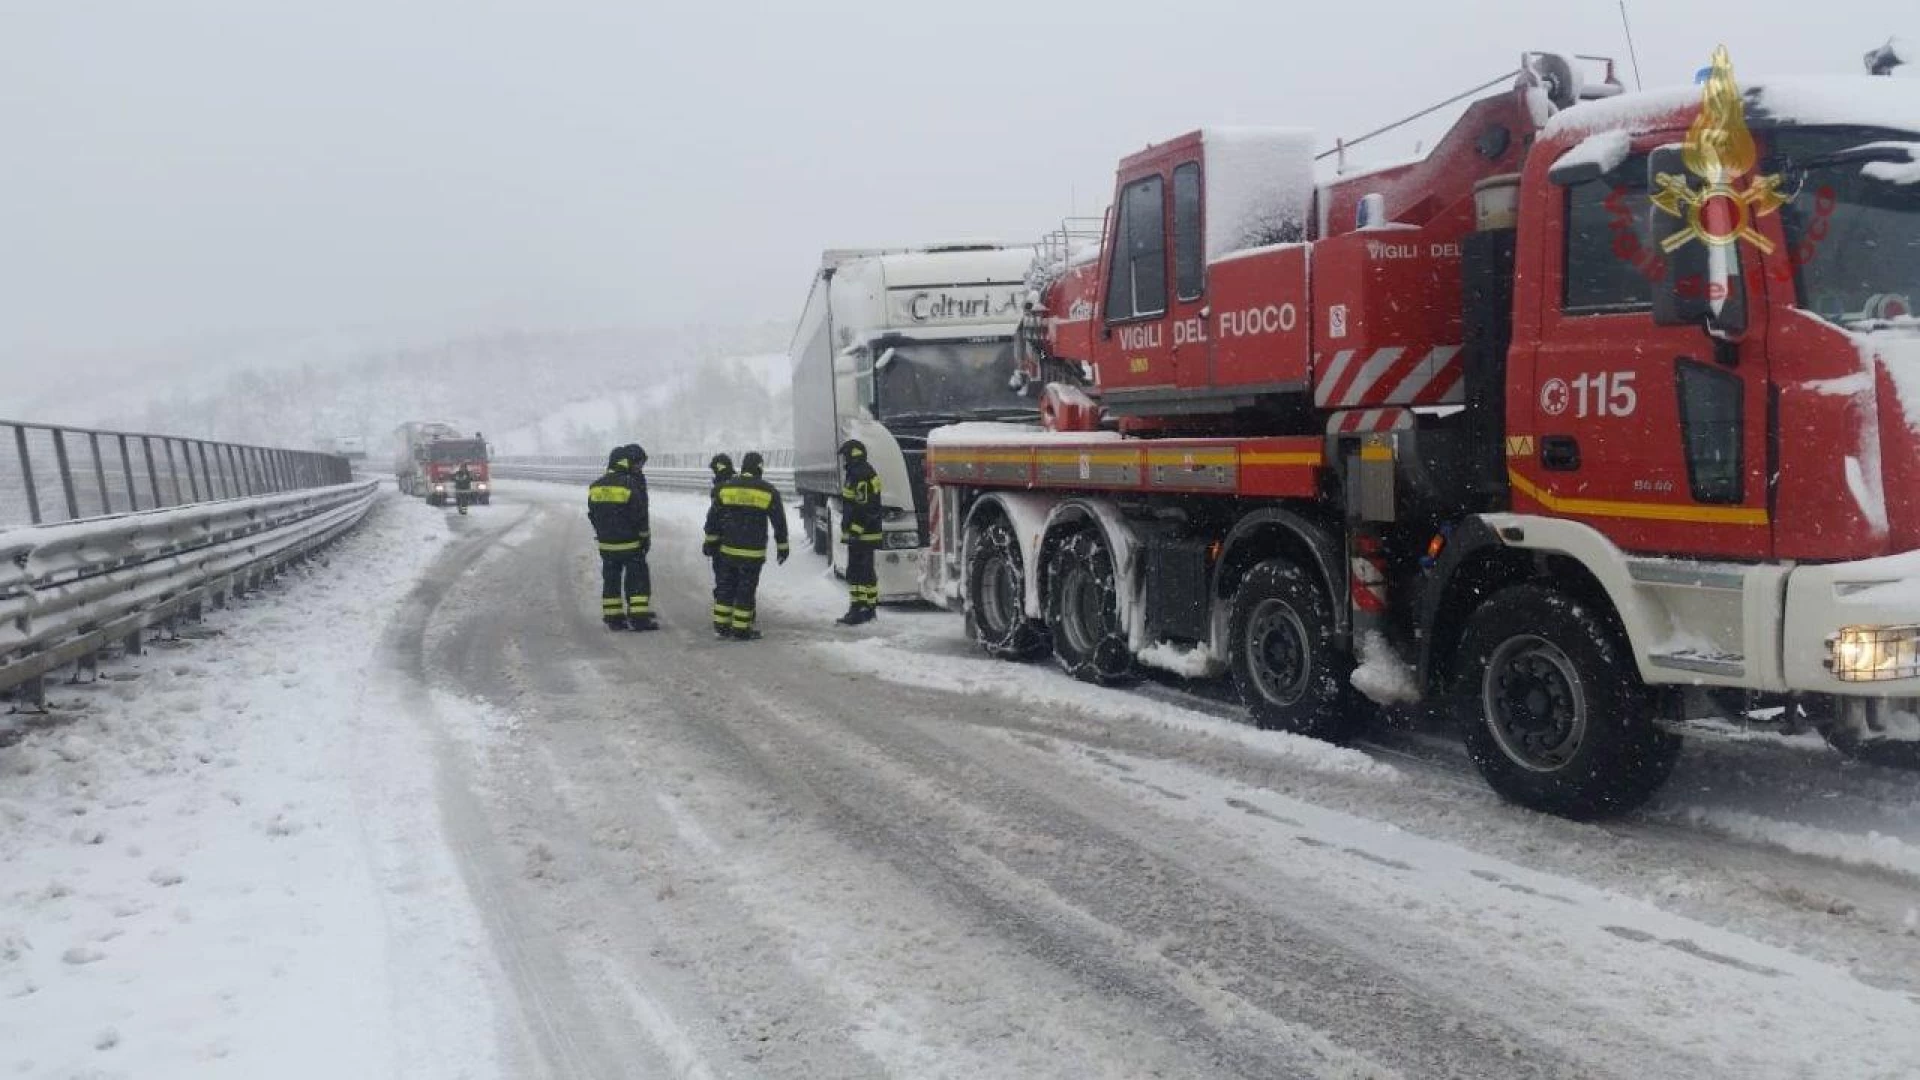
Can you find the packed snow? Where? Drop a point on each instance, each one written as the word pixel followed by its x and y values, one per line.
pixel 1894 172
pixel 888 660
pixel 1897 354
pixel 1381 675
pixel 214 860
pixel 993 433
pixel 1259 187
pixel 1186 662
pixel 1603 150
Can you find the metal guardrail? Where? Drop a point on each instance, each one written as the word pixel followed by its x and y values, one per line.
pixel 69 591
pixel 667 472
pixel 55 474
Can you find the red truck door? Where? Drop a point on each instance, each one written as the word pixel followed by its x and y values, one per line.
pixel 1192 350
pixel 1655 436
pixel 1133 349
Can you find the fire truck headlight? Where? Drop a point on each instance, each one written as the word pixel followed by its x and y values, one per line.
pixel 481 486
pixel 1874 653
pixel 901 538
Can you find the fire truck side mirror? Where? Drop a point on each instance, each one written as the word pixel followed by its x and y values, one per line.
pixel 1699 281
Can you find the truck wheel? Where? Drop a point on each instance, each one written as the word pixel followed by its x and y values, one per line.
pixel 1552 710
pixel 1291 674
pixel 1083 611
pixel 996 589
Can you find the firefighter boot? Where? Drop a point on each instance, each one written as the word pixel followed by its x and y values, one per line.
pixel 643 623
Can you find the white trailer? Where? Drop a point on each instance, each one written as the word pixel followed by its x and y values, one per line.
pixel 892 344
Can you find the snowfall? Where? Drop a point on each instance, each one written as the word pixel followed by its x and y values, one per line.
pixel 273 846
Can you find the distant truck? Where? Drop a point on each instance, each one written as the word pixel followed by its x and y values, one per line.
pixel 426 454
pixel 351 447
pixel 893 343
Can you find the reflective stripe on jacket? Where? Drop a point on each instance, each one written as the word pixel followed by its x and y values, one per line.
pixel 738 517
pixel 617 508
pixel 860 504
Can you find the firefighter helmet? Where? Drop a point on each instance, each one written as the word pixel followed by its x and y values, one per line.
pixel 853 450
pixel 753 464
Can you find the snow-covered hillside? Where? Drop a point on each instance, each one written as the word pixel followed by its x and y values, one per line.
pixel 492 383
pixel 731 403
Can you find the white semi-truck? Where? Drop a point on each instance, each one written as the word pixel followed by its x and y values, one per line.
pixel 892 344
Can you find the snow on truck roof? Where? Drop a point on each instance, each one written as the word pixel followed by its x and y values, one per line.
pixel 1868 101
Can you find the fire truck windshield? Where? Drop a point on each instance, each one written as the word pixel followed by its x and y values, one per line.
pixel 455 451
pixel 1852 222
pixel 946 380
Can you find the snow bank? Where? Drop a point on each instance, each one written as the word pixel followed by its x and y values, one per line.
pixel 987 433
pixel 883 658
pixel 1259 185
pixel 221 859
pixel 1872 849
pixel 1184 662
pixel 1382 676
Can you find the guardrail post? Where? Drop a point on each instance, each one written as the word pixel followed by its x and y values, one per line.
pixel 66 472
pixel 173 466
pixel 153 469
pixel 136 642
pixel 126 467
pixel 206 467
pixel 26 475
pixel 99 472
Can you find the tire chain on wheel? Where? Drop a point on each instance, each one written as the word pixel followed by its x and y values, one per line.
pixel 1021 639
pixel 1109 661
pixel 1329 708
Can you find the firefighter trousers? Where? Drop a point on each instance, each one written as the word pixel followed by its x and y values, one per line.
pixel 863 583
pixel 735 581
pixel 626 587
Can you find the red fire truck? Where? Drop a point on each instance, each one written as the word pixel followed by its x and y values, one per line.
pixel 1602 416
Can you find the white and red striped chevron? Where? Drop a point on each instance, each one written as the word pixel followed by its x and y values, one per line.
pixel 1361 421
pixel 1391 376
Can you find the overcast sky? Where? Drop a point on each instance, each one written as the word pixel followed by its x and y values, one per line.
pixel 179 169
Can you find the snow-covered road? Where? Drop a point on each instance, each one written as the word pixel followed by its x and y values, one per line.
pixel 523 846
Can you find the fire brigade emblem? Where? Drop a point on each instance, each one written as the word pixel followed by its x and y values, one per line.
pixel 1720 151
pixel 1554 395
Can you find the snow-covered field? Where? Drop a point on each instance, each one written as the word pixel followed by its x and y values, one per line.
pixel 419 815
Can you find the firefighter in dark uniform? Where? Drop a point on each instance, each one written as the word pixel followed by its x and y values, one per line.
pixel 462 486
pixel 743 506
pixel 617 507
pixel 860 529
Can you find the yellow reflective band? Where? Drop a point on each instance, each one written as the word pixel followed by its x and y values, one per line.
pixel 1703 515
pixel 746 496
pixel 782 547
pixel 744 553
pixel 630 546
pixel 608 494
pixel 712 539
